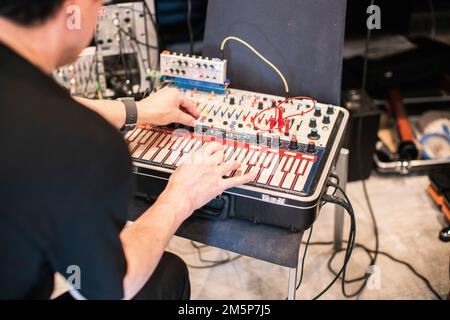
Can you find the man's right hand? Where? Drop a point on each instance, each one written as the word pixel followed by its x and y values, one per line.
pixel 200 178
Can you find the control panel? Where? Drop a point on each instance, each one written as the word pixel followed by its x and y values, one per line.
pixel 195 68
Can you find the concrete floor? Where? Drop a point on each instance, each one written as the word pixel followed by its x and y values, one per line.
pixel 408 226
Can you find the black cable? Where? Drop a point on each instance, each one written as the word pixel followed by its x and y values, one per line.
pixel 128 75
pixel 139 53
pixel 147 47
pixel 304 258
pixel 366 55
pixel 94 62
pixel 212 263
pixel 91 68
pixel 157 32
pixel 366 276
pixel 351 237
pixel 388 255
pixel 135 39
pixel 373 258
pixel 189 25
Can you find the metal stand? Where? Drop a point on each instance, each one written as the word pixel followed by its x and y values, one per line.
pixel 341 171
pixel 292 283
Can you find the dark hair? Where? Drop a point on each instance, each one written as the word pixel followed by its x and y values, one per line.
pixel 28 12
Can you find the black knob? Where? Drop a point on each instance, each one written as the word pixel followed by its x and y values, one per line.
pixel 311 148
pixel 313 134
pixel 317 111
pixel 274 103
pixel 312 123
pixel 260 105
pixel 231 100
pixel 330 109
pixel 293 145
pixel 326 119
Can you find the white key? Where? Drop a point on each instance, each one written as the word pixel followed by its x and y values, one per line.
pixel 257 166
pixel 189 145
pixel 197 145
pixel 241 156
pixel 288 164
pixel 233 154
pixel 278 173
pixel 267 162
pixel 245 161
pixel 150 152
pixel 182 159
pixel 177 143
pixel 133 144
pixel 149 141
pixel 134 134
pixel 228 151
pixel 164 141
pixel 183 144
pixel 300 183
pixel 128 134
pixel 287 183
pixel 174 155
pixel 138 152
pixel 146 137
pixel 265 174
pixel 164 152
pixel 301 167
pixel 254 159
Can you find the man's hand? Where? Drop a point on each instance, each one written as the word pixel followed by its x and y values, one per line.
pixel 166 106
pixel 200 178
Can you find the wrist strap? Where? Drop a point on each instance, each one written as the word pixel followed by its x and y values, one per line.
pixel 130 113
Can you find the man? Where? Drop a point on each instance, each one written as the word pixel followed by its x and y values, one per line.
pixel 65 171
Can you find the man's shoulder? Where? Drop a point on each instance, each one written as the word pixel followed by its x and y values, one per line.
pixel 47 126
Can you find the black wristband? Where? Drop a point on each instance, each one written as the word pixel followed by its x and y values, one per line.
pixel 130 113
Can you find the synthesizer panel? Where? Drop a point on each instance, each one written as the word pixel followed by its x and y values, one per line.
pixel 290 143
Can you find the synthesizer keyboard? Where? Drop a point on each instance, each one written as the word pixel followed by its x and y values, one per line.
pixel 292 145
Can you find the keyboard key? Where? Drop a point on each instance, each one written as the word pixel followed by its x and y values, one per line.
pixel 265 173
pixel 278 174
pixel 290 176
pixel 151 151
pixel 142 147
pixel 301 180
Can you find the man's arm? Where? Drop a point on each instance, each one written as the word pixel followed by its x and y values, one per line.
pixel 192 185
pixel 163 107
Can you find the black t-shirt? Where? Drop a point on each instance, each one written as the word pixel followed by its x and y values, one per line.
pixel 65 182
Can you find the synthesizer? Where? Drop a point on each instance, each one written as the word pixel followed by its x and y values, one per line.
pixel 291 144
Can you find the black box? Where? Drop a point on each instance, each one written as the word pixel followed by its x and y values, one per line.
pixel 362 113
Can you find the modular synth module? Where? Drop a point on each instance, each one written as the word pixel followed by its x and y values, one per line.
pixel 291 143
